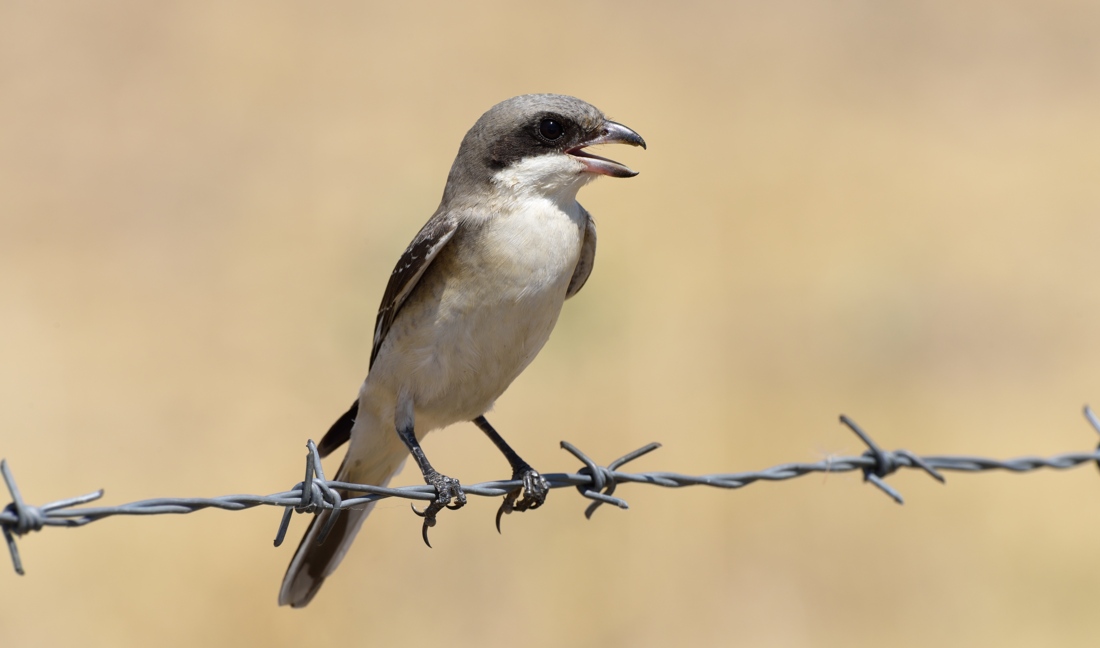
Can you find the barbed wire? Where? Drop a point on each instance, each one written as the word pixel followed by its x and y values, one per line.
pixel 597 483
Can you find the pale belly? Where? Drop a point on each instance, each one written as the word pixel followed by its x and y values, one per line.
pixel 477 321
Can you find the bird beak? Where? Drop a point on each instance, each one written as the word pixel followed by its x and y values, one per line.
pixel 610 133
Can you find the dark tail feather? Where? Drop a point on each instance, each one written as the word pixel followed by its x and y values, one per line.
pixel 340 431
pixel 312 563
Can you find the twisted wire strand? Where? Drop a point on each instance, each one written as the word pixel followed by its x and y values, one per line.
pixel 598 483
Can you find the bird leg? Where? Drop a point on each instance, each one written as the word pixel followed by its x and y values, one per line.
pixel 446 488
pixel 534 487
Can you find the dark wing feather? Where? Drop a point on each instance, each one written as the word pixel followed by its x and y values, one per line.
pixel 410 267
pixel 588 257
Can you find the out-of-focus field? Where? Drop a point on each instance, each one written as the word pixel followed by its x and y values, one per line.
pixel 886 210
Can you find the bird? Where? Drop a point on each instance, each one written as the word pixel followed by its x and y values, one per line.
pixel 468 306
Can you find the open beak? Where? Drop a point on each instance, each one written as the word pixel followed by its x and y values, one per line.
pixel 610 133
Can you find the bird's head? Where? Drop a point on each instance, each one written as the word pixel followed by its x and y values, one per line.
pixel 536 144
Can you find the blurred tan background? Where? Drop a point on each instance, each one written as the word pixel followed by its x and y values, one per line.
pixel 886 210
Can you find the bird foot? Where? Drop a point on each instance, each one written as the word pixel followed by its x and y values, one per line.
pixel 446 490
pixel 533 491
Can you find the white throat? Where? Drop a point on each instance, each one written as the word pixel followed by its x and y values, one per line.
pixel 556 177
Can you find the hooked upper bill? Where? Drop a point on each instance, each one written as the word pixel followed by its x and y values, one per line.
pixel 610 133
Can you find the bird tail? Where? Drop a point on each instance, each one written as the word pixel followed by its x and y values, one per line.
pixel 314 562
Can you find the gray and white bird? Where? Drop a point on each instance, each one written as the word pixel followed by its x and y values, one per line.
pixel 471 302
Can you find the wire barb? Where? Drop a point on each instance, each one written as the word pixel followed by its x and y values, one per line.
pixel 315 494
pixel 603 479
pixel 27 518
pixel 887 463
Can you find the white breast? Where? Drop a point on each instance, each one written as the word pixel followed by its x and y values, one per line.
pixel 488 303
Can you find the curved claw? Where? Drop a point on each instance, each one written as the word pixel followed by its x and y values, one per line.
pixel 448 494
pixel 506 507
pixel 533 491
pixel 429 518
pixel 424 530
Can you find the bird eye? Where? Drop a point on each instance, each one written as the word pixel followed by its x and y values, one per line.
pixel 551 129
